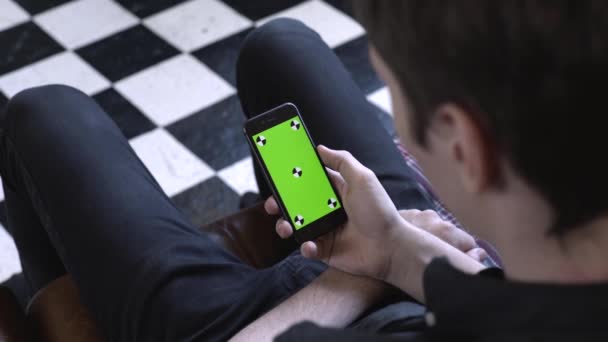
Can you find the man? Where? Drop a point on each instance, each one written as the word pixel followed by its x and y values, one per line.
pixel 493 98
pixel 79 200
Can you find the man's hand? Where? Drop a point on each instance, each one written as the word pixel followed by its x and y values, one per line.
pixel 363 246
pixel 430 221
pixel 377 240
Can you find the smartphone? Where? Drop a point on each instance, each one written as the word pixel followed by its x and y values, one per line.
pixel 300 184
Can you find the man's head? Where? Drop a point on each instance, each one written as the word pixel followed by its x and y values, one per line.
pixel 487 92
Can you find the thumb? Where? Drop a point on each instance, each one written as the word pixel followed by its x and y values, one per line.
pixel 341 161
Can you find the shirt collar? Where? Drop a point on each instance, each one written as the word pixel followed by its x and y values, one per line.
pixel 486 302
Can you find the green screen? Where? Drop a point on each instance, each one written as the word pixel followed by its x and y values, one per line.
pixel 296 172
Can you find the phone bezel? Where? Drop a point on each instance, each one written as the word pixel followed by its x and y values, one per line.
pixel 267 120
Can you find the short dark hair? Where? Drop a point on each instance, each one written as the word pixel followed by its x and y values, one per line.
pixel 533 73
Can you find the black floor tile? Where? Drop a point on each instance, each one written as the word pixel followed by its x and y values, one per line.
pixel 221 57
pixel 207 201
pixel 214 134
pixel 128 118
pixel 3 101
pixel 38 6
pixel 127 52
pixel 144 8
pixel 3 218
pixel 343 5
pixel 25 44
pixel 355 57
pixel 255 10
pixel 20 288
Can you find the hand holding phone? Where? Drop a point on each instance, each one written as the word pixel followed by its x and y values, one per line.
pixel 284 149
pixel 365 243
pixel 314 207
pixel 372 240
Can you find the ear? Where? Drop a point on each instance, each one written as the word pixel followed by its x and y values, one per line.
pixel 466 145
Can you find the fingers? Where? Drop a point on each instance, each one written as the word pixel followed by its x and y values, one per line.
pixel 283 228
pixel 309 250
pixel 271 206
pixel 460 239
pixel 344 163
pixel 478 254
pixel 430 221
pixel 409 214
pixel 318 249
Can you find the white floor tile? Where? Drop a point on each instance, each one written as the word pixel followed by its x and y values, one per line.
pixel 382 99
pixel 64 68
pixel 197 23
pixel 11 14
pixel 174 89
pixel 173 166
pixel 334 26
pixel 81 22
pixel 9 257
pixel 240 177
pixel 1 191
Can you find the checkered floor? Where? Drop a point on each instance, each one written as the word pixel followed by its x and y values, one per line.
pixel 164 71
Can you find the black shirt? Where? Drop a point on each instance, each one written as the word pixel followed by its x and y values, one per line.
pixel 482 307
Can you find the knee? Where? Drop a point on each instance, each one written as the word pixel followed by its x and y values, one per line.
pixel 30 103
pixel 28 100
pixel 268 37
pixel 41 107
pixel 262 47
pixel 280 26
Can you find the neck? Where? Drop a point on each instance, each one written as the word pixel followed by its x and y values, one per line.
pixel 530 254
pixel 579 257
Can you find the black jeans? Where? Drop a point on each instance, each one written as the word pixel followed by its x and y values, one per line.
pixel 80 200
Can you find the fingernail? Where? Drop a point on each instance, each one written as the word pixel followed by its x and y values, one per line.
pixel 481 254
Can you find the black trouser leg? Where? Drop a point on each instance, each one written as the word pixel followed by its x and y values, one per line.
pixel 285 61
pixel 77 188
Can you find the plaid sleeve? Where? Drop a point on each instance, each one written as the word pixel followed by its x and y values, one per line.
pixel 425 186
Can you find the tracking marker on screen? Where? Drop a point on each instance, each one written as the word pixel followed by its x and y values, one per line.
pixel 299 220
pixel 295 125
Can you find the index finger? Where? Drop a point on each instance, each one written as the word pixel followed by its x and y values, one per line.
pixel 341 161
